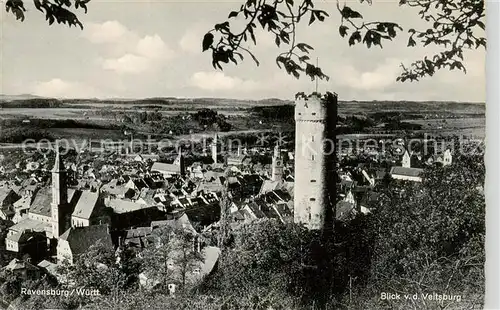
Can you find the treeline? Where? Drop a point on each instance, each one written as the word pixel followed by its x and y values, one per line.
pixel 208 118
pixel 283 113
pixel 19 135
pixel 38 103
pixel 55 123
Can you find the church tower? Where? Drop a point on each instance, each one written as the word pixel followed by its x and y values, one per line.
pixel 59 196
pixel 406 160
pixel 214 149
pixel 179 161
pixel 315 157
pixel 277 165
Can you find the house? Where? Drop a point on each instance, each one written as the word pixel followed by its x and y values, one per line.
pixel 447 158
pixel 139 237
pixel 21 236
pixel 52 270
pixel 268 186
pixel 136 184
pixel 166 169
pixel 128 214
pixel 117 190
pixel 180 223
pixel 406 174
pixel 22 269
pixel 89 210
pixel 77 240
pixel 237 160
pixel 40 207
pixel 147 197
pixel 7 199
pixel 253 210
pixel 198 211
pixel 125 206
pixel 195 272
pixel 345 211
pixel 197 171
pixel 176 168
pixel 27 242
pixel 146 157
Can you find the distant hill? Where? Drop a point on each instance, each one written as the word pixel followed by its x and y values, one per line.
pixel 7 98
pixel 32 101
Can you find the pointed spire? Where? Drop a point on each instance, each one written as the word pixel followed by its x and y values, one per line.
pixel 277 150
pixel 58 163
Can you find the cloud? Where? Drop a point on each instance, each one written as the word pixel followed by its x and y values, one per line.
pixel 218 81
pixel 384 75
pixel 64 89
pixel 107 32
pixel 153 47
pixel 128 63
pixel 191 40
pixel 133 54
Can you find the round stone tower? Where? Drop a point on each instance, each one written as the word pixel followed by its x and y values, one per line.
pixel 315 182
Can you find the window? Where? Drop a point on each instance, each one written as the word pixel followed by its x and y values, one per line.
pixel 313 181
pixel 312 199
pixel 312 157
pixel 312 138
pixel 313 113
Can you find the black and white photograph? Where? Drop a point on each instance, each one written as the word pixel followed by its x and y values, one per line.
pixel 243 154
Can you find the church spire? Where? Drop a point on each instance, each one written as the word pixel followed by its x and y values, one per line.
pixel 58 164
pixel 59 195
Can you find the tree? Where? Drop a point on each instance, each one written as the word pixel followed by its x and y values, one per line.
pixel 97 268
pixel 453 25
pixel 430 236
pixel 171 258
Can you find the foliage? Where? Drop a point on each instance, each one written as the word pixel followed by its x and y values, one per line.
pixel 57 10
pixel 279 112
pixel 430 236
pixel 280 259
pixel 97 268
pixel 171 258
pixel 39 103
pixel 207 118
pixel 454 25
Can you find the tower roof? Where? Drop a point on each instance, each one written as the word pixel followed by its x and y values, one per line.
pixel 58 163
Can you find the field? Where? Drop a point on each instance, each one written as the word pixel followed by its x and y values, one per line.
pixel 174 117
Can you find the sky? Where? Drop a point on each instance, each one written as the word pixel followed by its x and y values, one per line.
pixel 139 49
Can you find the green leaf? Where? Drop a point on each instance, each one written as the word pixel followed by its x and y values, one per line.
pixel 208 40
